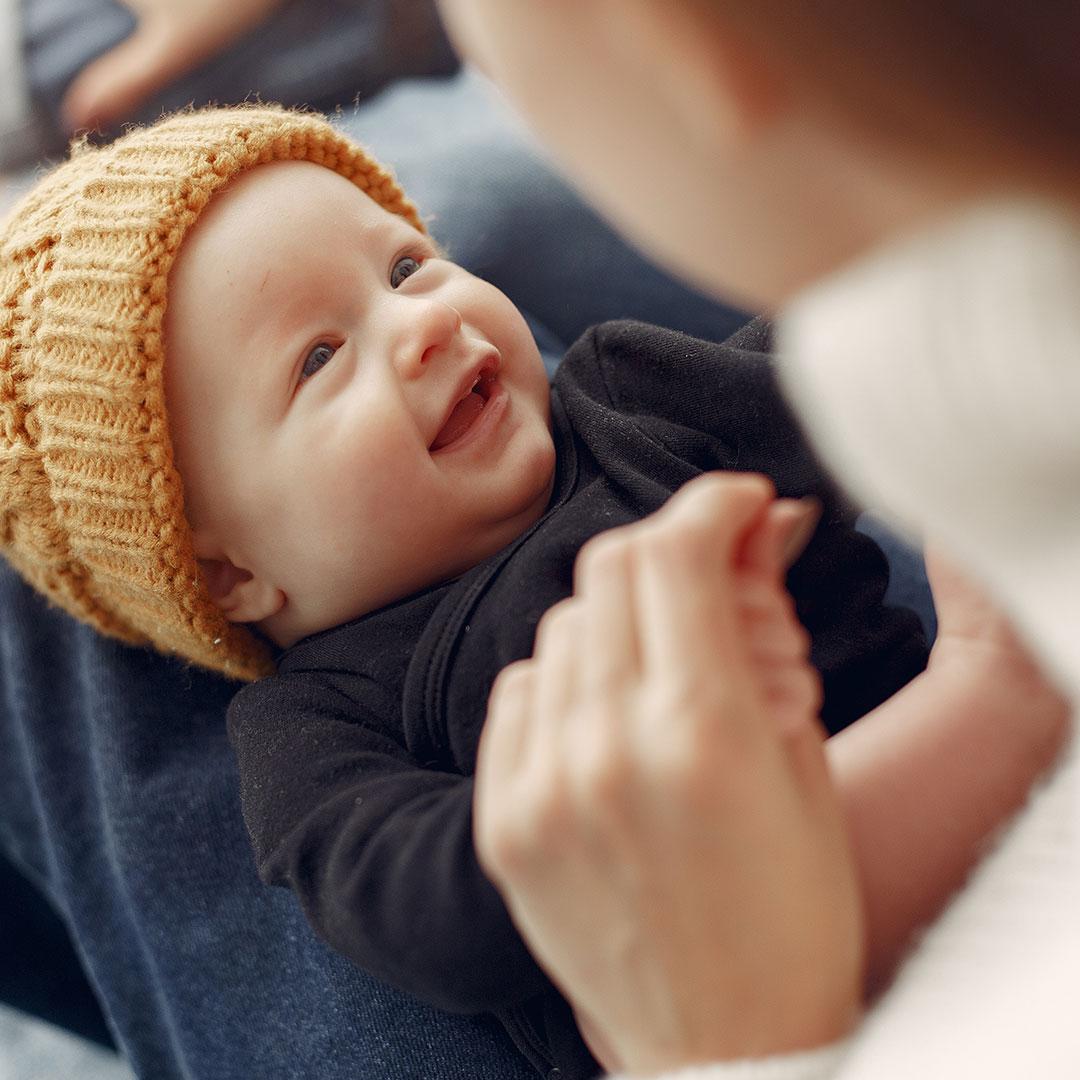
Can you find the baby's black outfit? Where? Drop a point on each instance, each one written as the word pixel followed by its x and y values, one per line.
pixel 356 758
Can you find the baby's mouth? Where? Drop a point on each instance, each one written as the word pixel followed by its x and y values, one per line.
pixel 466 412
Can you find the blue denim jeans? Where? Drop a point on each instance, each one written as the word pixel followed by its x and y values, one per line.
pixel 118 790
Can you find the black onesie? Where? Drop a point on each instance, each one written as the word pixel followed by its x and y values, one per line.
pixel 356 759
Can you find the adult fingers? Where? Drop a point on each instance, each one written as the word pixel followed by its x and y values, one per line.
pixel 169 40
pixel 684 569
pixel 502 757
pixel 784 532
pixel 557 658
pixel 115 84
pixel 603 579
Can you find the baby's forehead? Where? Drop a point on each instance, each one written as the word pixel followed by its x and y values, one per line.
pixel 271 250
pixel 278 217
pixel 289 190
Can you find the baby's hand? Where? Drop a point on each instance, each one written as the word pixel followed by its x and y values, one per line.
pixel 968 617
pixel 976 641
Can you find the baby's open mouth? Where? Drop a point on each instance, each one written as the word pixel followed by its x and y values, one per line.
pixel 466 412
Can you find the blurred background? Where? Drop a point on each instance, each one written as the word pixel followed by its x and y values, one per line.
pixel 69 65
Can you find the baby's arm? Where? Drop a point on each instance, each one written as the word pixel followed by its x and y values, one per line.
pixel 929 775
pixel 378 850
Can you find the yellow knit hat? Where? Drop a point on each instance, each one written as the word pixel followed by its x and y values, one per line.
pixel 91 505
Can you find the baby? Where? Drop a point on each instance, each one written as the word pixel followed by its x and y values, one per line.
pixel 380 497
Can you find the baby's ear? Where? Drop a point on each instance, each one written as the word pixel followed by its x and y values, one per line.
pixel 241 596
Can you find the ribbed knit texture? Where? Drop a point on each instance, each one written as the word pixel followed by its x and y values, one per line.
pixel 820 1064
pixel 91 505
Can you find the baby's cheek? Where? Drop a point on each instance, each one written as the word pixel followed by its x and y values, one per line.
pixel 385 477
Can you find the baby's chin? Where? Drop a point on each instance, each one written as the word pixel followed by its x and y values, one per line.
pixel 295 621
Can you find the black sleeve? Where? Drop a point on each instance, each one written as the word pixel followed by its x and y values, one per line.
pixel 378 850
pixel 709 405
pixel 864 649
pixel 719 406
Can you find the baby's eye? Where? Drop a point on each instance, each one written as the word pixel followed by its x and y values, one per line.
pixel 405 267
pixel 317 359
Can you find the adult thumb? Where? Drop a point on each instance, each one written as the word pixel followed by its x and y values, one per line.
pixel 114 85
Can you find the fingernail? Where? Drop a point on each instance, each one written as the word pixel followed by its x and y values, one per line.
pixel 802 516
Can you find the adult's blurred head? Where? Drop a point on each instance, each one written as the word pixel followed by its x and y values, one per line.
pixel 754 147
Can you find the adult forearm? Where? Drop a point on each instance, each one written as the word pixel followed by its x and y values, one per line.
pixel 928 777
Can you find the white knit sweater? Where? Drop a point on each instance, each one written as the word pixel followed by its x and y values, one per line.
pixel 942 379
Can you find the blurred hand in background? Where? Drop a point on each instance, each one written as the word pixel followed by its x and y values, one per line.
pixel 98 64
pixel 170 39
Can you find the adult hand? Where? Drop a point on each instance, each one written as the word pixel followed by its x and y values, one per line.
pixel 675 857
pixel 170 39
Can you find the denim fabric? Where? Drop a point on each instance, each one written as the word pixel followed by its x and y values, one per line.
pixel 118 797
pixel 40 973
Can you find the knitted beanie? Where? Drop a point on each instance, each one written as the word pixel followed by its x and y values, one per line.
pixel 91 504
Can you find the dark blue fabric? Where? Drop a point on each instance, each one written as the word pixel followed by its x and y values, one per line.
pixel 40 973
pixel 119 798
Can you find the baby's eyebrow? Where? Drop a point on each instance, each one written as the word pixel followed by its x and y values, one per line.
pixel 279 332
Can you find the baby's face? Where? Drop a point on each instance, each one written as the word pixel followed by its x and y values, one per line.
pixel 354 417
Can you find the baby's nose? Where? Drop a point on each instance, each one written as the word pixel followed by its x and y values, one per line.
pixel 429 327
